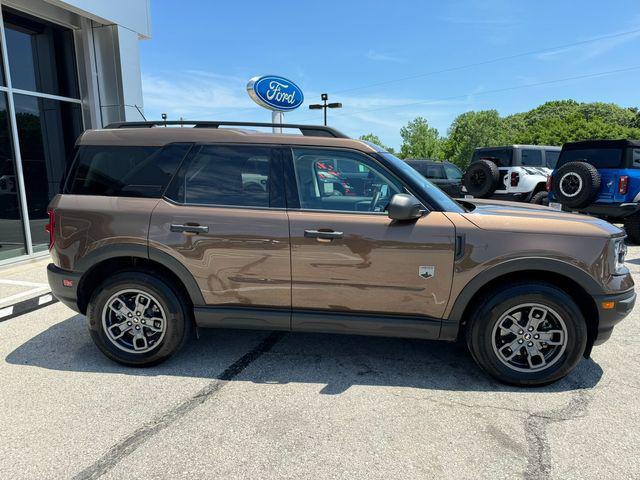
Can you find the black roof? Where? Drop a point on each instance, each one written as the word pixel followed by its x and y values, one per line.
pixel 601 144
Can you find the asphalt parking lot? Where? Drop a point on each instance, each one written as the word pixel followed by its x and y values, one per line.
pixel 242 404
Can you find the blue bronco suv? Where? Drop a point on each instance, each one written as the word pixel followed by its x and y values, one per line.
pixel 601 178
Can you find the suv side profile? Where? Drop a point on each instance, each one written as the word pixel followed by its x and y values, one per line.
pixel 160 230
pixel 444 175
pixel 601 178
pixel 516 172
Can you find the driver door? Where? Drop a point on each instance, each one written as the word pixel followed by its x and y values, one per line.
pixel 347 256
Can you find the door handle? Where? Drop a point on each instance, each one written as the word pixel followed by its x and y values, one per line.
pixel 322 234
pixel 189 228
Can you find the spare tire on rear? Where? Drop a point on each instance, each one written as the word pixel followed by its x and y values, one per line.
pixel 481 178
pixel 576 184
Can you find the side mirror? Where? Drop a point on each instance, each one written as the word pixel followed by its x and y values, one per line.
pixel 403 206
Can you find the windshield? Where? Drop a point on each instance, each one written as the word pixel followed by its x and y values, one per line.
pixel 598 157
pixel 433 192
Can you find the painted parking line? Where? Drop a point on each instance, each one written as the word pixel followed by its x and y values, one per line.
pixel 26 306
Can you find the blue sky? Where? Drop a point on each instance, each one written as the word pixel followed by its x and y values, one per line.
pixel 202 53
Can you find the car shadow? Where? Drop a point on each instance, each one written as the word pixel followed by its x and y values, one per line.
pixel 335 361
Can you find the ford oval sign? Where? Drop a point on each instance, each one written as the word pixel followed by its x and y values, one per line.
pixel 275 93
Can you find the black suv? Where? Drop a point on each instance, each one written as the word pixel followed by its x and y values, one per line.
pixel 445 175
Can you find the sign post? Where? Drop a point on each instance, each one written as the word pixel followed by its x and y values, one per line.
pixel 276 94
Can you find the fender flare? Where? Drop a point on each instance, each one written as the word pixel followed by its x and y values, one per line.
pixel 451 325
pixel 108 252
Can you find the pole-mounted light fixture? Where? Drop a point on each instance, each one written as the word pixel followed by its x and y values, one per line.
pixel 324 106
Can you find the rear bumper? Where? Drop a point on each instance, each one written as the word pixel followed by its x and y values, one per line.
pixel 610 210
pixel 608 318
pixel 57 278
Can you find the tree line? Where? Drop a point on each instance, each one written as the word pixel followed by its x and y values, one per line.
pixel 552 123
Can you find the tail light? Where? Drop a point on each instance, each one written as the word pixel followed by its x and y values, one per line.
pixel 515 178
pixel 623 184
pixel 549 182
pixel 51 228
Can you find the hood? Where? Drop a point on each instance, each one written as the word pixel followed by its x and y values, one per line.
pixel 530 218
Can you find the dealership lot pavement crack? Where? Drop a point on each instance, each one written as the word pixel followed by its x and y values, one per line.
pixel 130 444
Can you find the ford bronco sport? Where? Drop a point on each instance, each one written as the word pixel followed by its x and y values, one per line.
pixel 517 172
pixel 159 230
pixel 601 178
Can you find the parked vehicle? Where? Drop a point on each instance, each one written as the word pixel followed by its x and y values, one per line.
pixel 444 175
pixel 159 230
pixel 516 172
pixel 601 178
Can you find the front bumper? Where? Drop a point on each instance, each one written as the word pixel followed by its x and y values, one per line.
pixel 623 304
pixel 64 286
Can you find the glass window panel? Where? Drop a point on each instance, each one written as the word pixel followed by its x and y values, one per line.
pixel 47 131
pixel 41 55
pixel 11 228
pixel 532 158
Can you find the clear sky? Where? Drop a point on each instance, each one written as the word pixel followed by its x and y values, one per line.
pixel 202 53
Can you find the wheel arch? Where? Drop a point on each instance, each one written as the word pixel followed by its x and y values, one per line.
pixel 572 280
pixel 112 259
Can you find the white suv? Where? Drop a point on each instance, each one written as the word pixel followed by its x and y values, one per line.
pixel 515 172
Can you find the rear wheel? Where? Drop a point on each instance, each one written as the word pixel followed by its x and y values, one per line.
pixel 576 184
pixel 137 319
pixel 632 227
pixel 540 198
pixel 527 335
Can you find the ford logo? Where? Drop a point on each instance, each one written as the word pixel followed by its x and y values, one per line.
pixel 275 93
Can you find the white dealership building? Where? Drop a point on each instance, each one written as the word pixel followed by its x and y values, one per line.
pixel 66 66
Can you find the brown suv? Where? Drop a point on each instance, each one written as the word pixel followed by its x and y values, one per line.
pixel 159 230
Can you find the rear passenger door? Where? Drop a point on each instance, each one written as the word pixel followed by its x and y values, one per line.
pixel 223 218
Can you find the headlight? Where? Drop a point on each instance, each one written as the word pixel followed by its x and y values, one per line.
pixel 619 252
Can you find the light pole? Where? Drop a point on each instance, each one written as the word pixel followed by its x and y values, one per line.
pixel 318 106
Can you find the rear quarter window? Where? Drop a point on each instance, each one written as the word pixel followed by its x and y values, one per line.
pixel 598 157
pixel 503 157
pixel 124 171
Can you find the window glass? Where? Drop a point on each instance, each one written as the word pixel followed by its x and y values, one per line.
pixel 47 131
pixel 531 158
pixel 41 55
pixel 343 181
pixel 501 156
pixel 125 171
pixel 224 175
pixel 598 157
pixel 552 158
pixel 636 156
pixel 11 228
pixel 453 172
pixel 436 172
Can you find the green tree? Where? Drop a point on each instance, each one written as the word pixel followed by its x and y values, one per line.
pixel 370 137
pixel 471 130
pixel 419 140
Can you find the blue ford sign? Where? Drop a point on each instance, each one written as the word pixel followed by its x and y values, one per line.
pixel 275 93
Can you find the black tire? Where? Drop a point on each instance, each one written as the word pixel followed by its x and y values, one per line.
pixel 480 333
pixel 540 198
pixel 178 318
pixel 481 178
pixel 632 227
pixel 576 184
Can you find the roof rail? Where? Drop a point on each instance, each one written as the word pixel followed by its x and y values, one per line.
pixel 306 130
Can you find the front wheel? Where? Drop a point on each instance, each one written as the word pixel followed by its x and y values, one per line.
pixel 528 334
pixel 137 319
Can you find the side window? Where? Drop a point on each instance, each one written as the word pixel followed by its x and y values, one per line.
pixel 341 180
pixel 453 172
pixel 636 157
pixel 551 158
pixel 224 175
pixel 124 171
pixel 502 157
pixel 531 158
pixel 435 172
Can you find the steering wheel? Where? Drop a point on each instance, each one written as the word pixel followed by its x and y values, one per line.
pixel 376 197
